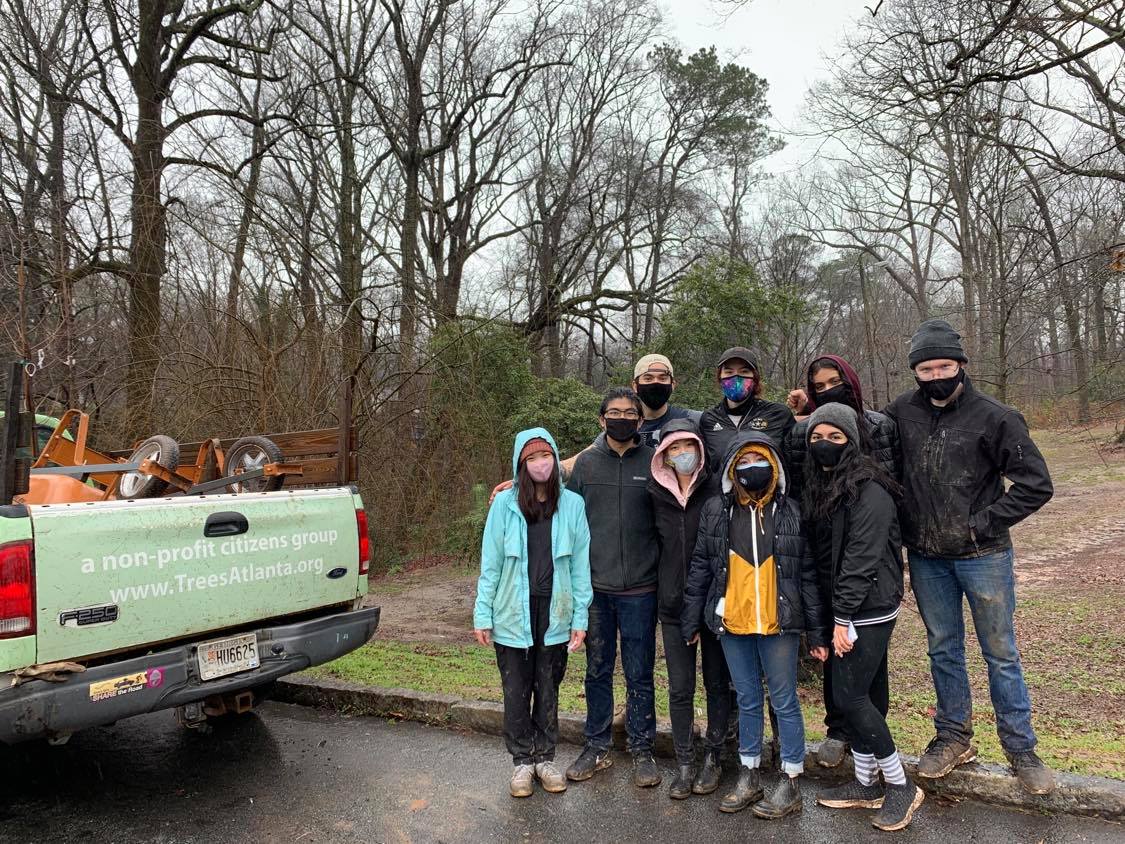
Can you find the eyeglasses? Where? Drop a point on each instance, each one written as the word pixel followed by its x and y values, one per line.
pixel 622 414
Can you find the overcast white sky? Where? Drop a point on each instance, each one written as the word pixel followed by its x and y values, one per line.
pixel 780 40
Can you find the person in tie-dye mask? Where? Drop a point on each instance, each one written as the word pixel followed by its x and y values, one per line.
pixel 741 408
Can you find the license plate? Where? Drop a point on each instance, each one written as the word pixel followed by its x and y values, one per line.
pixel 227 656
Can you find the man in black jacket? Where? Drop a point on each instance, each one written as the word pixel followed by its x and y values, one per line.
pixel 742 408
pixel 958 446
pixel 612 476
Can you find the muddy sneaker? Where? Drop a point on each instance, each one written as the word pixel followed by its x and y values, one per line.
pixel 707 780
pixel 1034 776
pixel 680 789
pixel 746 790
pixel 942 755
pixel 590 761
pixel 523 781
pixel 831 753
pixel 645 772
pixel 783 800
pixel 550 777
pixel 898 806
pixel 851 795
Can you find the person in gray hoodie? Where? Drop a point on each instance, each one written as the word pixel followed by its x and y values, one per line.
pixel 612 477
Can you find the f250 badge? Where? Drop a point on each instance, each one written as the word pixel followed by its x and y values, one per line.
pixel 88 616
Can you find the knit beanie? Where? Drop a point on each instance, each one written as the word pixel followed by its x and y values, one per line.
pixel 837 415
pixel 934 339
pixel 533 445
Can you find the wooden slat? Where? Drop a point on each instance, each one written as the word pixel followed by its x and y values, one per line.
pixel 322 441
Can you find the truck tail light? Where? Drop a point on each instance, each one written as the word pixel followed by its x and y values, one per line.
pixel 17 590
pixel 364 542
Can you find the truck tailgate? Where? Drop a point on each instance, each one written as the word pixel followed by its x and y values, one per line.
pixel 161 569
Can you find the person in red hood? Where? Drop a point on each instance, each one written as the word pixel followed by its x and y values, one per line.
pixel 828 379
pixel 679 487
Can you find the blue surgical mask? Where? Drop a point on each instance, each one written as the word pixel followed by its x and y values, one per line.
pixel 685 462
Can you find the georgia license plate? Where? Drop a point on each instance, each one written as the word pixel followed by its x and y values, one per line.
pixel 227 656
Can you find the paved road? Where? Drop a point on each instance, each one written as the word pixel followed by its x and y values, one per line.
pixel 292 774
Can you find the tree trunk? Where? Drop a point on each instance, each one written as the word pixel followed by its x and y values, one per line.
pixel 149 224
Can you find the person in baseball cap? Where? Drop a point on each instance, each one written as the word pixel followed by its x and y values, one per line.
pixel 654 380
pixel 742 408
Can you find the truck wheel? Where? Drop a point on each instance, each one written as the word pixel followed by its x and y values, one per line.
pixel 160 449
pixel 251 453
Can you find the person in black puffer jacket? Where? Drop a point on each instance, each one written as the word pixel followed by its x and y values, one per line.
pixel 753 583
pixel 850 502
pixel 679 488
pixel 830 378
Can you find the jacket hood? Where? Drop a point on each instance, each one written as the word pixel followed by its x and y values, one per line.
pixel 673 432
pixel 850 376
pixel 740 441
pixel 522 439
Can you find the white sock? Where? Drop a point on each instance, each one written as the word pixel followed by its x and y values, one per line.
pixel 866 770
pixel 892 770
pixel 749 761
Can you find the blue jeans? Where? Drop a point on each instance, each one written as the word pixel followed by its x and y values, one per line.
pixel 940 586
pixel 634 617
pixel 748 658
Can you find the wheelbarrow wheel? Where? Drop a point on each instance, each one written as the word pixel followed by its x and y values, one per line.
pixel 162 450
pixel 251 453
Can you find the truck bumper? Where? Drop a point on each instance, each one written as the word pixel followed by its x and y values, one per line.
pixel 171 678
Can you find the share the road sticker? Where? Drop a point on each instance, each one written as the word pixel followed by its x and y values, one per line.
pixel 118 686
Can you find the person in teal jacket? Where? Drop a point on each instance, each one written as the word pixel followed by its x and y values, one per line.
pixel 533 597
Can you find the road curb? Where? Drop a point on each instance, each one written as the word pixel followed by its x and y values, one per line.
pixel 1095 797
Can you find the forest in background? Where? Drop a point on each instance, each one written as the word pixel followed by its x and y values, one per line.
pixel 212 213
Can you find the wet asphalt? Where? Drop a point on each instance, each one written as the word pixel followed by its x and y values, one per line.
pixel 291 774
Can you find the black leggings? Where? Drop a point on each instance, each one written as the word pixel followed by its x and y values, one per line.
pixel 531 729
pixel 681 690
pixel 880 694
pixel 853 677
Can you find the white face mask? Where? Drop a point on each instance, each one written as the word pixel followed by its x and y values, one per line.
pixel 685 462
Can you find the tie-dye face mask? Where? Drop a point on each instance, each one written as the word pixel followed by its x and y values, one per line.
pixel 737 387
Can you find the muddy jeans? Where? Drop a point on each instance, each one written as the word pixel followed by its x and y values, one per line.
pixel 531 678
pixel 634 617
pixel 853 678
pixel 941 587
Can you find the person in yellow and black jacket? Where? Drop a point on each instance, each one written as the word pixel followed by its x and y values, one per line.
pixel 753 582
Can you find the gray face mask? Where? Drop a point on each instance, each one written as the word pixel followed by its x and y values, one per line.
pixel 685 462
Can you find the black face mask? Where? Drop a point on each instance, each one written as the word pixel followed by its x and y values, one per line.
pixel 655 396
pixel 754 478
pixel 841 393
pixel 827 453
pixel 941 388
pixel 622 430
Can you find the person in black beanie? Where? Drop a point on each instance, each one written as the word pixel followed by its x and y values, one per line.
pixel 958 447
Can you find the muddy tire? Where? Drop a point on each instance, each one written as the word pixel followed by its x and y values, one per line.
pixel 251 453
pixel 160 449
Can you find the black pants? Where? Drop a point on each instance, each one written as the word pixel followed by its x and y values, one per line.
pixel 681 690
pixel 880 694
pixel 854 677
pixel 531 678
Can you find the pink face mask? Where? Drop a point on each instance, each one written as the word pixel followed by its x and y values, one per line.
pixel 540 469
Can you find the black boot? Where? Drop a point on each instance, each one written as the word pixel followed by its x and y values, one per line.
pixel 783 800
pixel 746 791
pixel 681 784
pixel 707 780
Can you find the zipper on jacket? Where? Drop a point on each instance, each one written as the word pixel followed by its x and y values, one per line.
pixel 757 569
pixel 621 517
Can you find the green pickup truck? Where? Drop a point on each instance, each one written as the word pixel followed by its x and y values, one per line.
pixel 192 602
